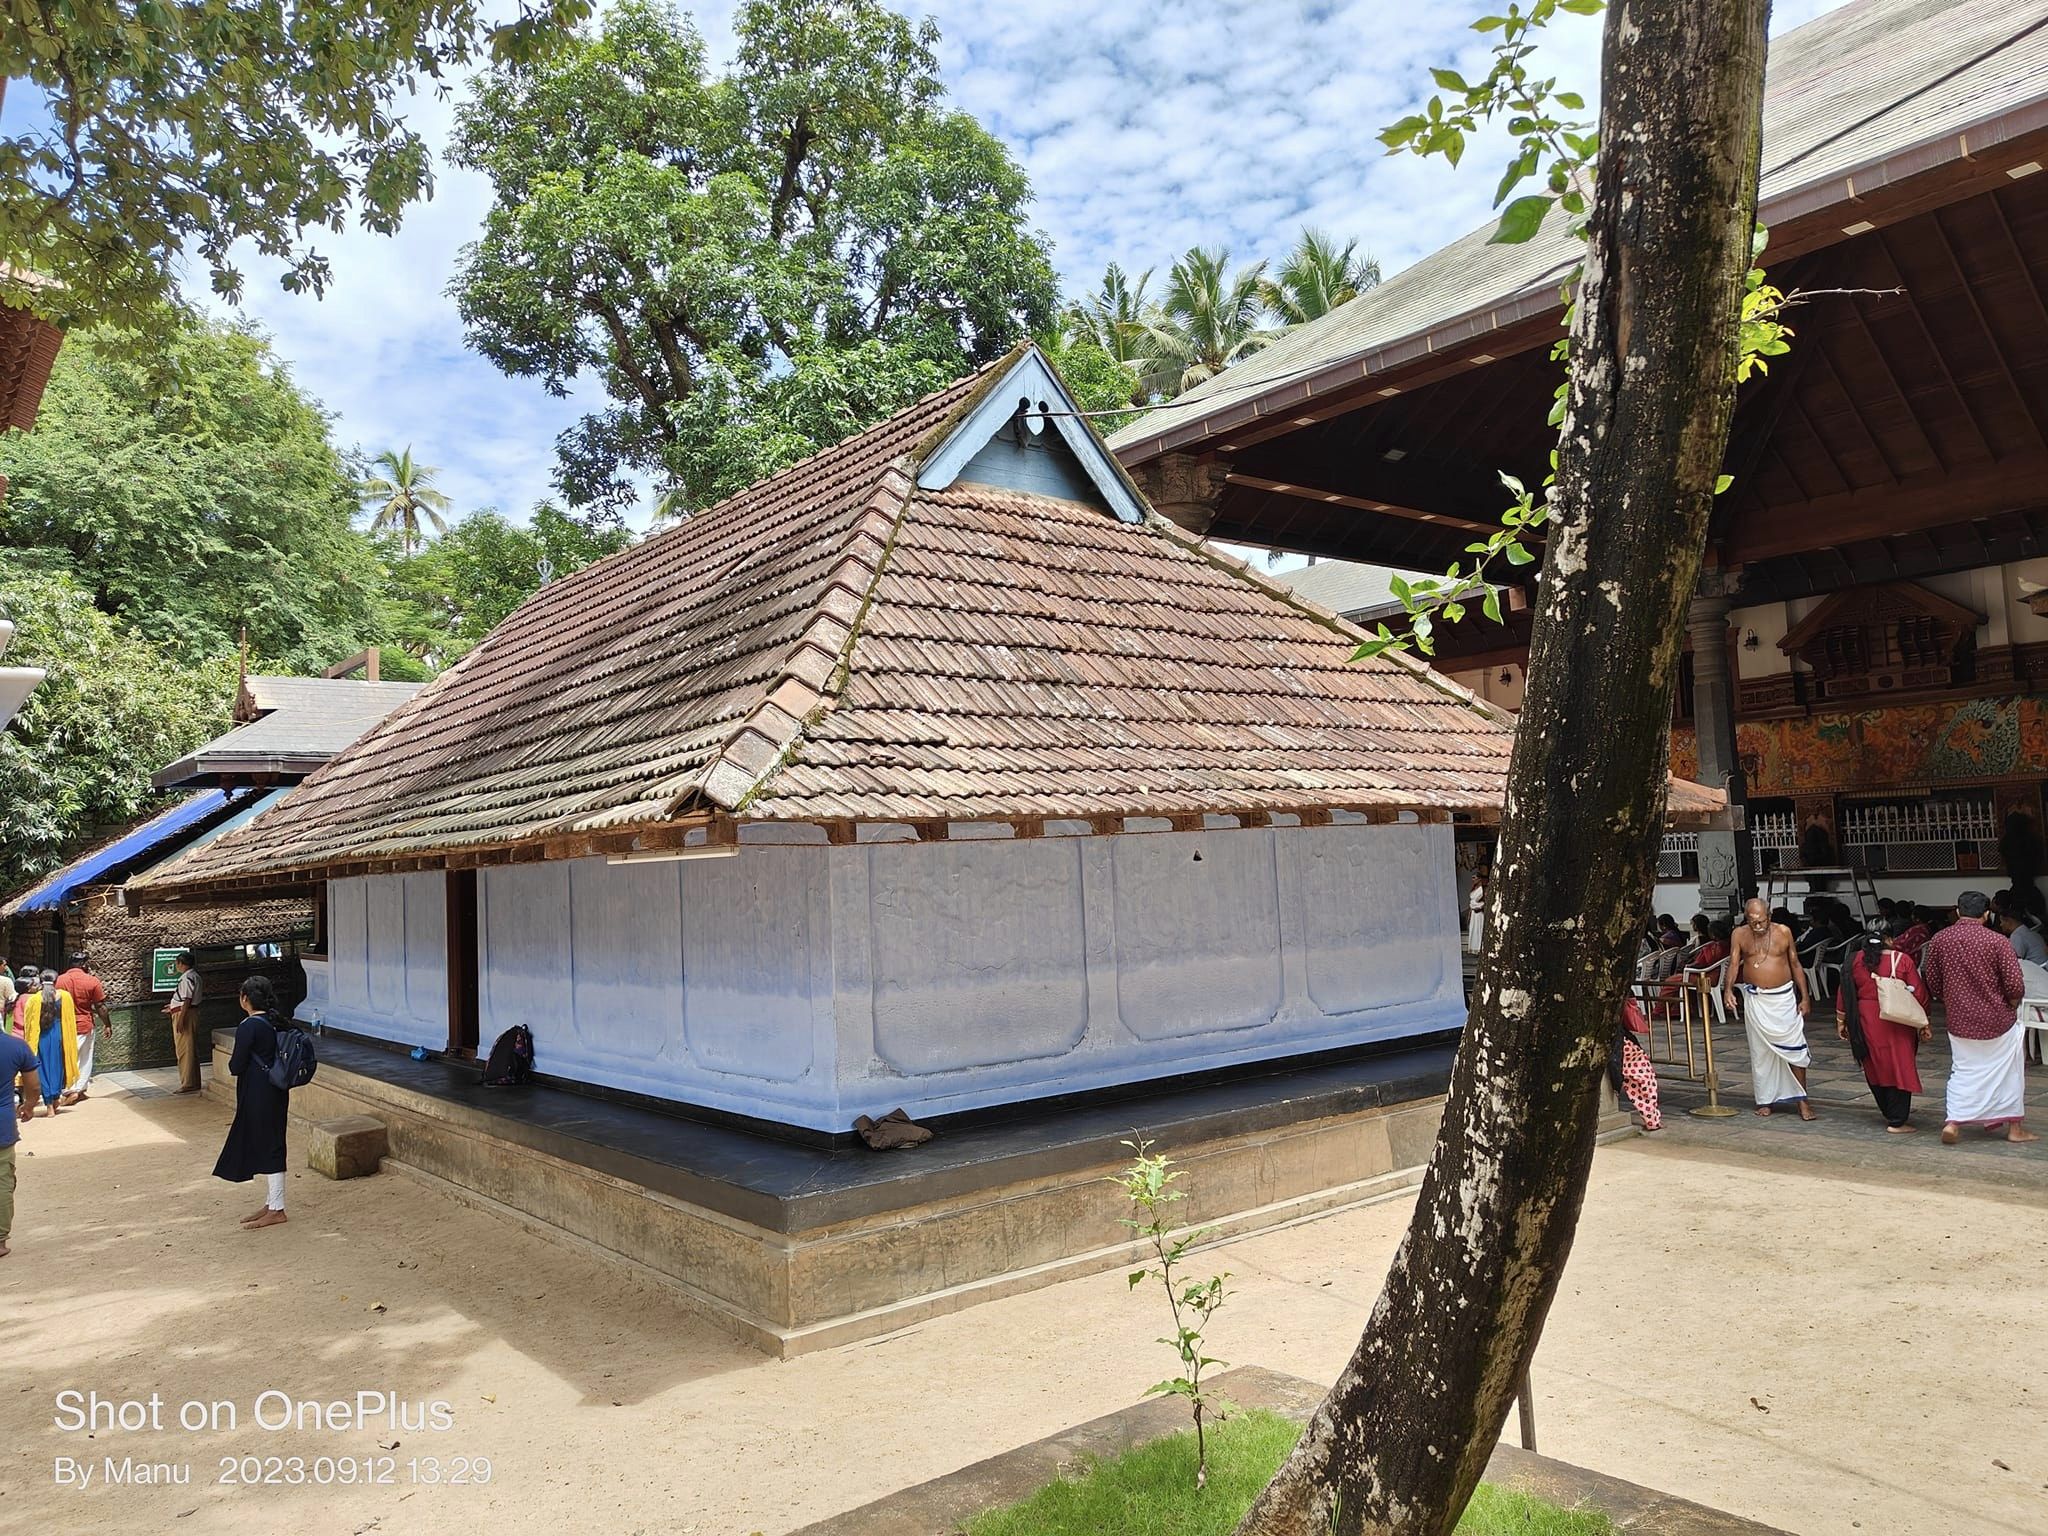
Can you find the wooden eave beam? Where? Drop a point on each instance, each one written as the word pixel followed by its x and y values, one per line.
pixel 1929 499
pixel 1310 493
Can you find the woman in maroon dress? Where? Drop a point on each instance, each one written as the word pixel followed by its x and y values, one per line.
pixel 1887 1052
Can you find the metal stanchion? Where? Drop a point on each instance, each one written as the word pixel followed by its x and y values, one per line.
pixel 1713 1109
pixel 1525 1401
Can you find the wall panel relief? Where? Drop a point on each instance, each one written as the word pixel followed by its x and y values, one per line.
pixel 978 952
pixel 1197 932
pixel 1372 900
pixel 629 954
pixel 746 962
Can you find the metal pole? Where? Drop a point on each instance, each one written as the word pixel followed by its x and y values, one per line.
pixel 1713 1109
pixel 1525 1403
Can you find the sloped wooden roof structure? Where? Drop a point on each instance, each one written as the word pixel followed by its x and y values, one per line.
pixel 1905 434
pixel 861 639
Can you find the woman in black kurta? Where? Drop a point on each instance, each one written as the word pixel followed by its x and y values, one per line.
pixel 255 1141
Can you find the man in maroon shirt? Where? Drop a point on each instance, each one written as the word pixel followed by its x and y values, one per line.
pixel 89 997
pixel 1972 970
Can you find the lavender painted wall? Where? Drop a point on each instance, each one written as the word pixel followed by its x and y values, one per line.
pixel 810 983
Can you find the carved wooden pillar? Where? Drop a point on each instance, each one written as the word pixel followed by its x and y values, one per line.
pixel 1182 488
pixel 1727 867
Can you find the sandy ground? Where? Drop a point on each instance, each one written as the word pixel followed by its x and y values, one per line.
pixel 1825 1349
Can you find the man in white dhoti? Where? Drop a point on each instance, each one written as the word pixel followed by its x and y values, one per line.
pixel 1765 968
pixel 1972 971
pixel 1475 932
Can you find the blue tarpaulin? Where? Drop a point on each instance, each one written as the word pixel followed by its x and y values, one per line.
pixel 126 850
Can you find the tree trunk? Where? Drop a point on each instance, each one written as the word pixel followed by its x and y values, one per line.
pixel 1401 1440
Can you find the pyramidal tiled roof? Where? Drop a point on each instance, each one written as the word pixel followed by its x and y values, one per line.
pixel 839 643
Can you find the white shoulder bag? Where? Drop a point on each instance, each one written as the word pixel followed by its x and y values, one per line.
pixel 1896 1003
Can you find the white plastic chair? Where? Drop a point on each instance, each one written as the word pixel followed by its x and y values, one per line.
pixel 1708 978
pixel 2034 1006
pixel 1828 971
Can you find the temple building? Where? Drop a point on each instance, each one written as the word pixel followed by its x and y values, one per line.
pixel 935 773
pixel 1868 662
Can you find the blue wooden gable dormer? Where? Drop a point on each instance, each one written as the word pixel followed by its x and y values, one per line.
pixel 1026 433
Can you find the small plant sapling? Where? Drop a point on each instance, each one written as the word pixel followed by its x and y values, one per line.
pixel 1152 1183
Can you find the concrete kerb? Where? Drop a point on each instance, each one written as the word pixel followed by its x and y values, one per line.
pixel 945 1504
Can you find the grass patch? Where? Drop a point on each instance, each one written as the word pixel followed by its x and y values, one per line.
pixel 1150 1491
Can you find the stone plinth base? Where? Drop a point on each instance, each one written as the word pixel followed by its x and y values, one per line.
pixel 346 1147
pixel 800 1247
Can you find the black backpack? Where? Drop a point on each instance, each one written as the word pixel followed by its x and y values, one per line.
pixel 294 1061
pixel 511 1059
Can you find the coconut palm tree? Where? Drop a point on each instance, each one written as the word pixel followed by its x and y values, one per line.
pixel 1316 276
pixel 1210 318
pixel 404 497
pixel 1114 316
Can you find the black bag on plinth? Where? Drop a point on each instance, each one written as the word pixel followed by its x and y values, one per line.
pixel 511 1060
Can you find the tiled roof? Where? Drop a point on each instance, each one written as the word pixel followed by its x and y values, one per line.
pixel 28 349
pixel 304 721
pixel 1345 586
pixel 1023 656
pixel 1869 80
pixel 836 644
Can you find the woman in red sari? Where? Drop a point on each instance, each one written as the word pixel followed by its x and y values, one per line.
pixel 1887 1052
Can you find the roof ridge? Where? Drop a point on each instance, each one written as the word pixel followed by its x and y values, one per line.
pixel 813 671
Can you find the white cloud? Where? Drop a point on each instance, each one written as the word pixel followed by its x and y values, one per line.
pixel 1145 130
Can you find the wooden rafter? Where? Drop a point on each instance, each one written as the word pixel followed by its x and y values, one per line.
pixel 1990 331
pixel 1883 245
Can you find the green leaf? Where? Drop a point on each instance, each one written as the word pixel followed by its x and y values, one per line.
pixel 1521 219
pixel 1582 7
pixel 1491 606
pixel 1137 1277
pixel 1518 555
pixel 1450 80
pixel 1571 101
pixel 1723 483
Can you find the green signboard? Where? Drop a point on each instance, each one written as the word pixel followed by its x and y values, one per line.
pixel 163 969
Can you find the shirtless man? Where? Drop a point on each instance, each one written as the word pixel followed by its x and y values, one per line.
pixel 1763 963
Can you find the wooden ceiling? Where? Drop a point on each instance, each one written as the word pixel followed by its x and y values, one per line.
pixel 1905 434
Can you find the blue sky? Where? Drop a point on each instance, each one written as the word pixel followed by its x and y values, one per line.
pixel 1144 128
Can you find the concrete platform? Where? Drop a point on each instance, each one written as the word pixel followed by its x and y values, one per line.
pixel 798 1247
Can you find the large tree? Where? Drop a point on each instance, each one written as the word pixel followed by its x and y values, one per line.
pixel 189 486
pixel 401 498
pixel 1402 1438
pixel 452 593
pixel 1209 318
pixel 753 264
pixel 1316 276
pixel 113 709
pixel 154 132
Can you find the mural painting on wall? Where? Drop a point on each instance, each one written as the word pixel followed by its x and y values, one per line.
pixel 1910 744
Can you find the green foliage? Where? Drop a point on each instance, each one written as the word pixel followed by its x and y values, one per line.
pixel 176 128
pixel 1097 381
pixel 1151 1183
pixel 753 264
pixel 1548 145
pixel 1209 318
pixel 1318 275
pixel 1559 150
pixel 402 499
pixel 456 590
pixel 190 488
pixel 1150 1491
pixel 113 709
